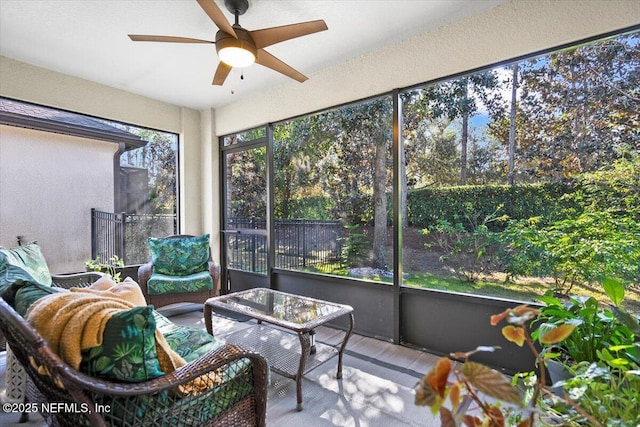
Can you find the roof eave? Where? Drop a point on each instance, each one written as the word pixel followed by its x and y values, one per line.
pixel 19 120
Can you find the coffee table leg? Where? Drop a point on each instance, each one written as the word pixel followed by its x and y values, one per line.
pixel 344 344
pixel 207 318
pixel 305 349
pixel 312 338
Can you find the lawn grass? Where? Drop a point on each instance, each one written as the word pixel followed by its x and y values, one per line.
pixel 525 289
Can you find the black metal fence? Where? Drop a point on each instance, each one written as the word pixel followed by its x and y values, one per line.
pixel 125 235
pixel 299 243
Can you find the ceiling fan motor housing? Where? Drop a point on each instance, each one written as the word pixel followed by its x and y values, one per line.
pixel 244 40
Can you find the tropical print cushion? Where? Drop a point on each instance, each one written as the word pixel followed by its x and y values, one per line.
pixel 23 264
pixel 163 324
pixel 179 256
pixel 159 284
pixel 28 293
pixel 190 343
pixel 201 408
pixel 128 350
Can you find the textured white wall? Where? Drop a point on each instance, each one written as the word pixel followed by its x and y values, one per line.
pixel 41 86
pixel 48 185
pixel 507 31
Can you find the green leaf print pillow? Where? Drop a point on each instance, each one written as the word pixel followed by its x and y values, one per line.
pixel 128 351
pixel 23 264
pixel 179 256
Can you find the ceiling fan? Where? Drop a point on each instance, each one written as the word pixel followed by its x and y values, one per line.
pixel 238 47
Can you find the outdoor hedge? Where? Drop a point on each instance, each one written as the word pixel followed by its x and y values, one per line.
pixel 455 204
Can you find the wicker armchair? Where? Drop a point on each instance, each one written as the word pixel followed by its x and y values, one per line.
pixel 158 300
pixel 235 396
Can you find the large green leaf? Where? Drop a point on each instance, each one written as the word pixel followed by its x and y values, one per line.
pixel 614 289
pixel 550 300
pixel 627 319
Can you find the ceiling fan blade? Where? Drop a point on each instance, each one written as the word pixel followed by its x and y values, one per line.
pixel 266 59
pixel 268 36
pixel 216 15
pixel 167 39
pixel 221 74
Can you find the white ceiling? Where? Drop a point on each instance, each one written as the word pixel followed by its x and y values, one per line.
pixel 88 39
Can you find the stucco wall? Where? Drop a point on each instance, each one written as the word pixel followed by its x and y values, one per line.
pixel 26 82
pixel 47 189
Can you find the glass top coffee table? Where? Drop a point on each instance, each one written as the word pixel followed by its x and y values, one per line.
pixel 288 312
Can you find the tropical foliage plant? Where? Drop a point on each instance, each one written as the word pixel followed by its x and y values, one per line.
pixel 111 267
pixel 602 356
pixel 604 388
pixel 476 394
pixel 597 330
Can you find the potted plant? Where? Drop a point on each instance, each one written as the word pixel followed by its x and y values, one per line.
pixel 471 394
pixel 114 267
pixel 599 393
pixel 598 363
pixel 595 331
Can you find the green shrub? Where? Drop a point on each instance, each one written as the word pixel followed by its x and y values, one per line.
pixel 601 239
pixel 426 206
pixel 312 207
pixel 355 247
pixel 467 253
pixel 582 250
pixel 615 189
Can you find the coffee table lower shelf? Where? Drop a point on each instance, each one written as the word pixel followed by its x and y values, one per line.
pixel 283 350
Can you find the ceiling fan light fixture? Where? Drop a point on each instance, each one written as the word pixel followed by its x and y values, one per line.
pixel 236 56
pixel 237 52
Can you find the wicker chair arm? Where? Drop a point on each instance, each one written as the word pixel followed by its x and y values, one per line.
pixel 144 273
pixel 77 280
pixel 214 270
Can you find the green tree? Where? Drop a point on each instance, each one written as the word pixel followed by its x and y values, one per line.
pixel 579 108
pixel 434 156
pixel 159 158
pixel 486 162
pixel 461 98
pixel 340 156
pixel 246 183
pixel 365 142
pixel 300 153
